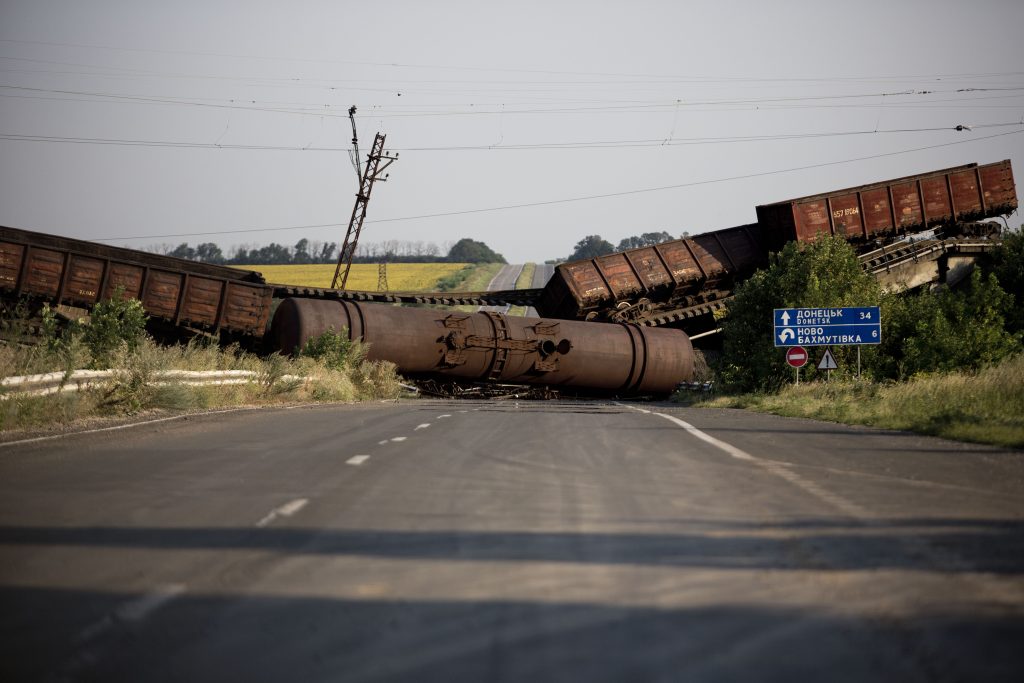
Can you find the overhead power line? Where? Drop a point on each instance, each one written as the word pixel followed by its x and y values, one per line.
pixel 591 144
pixel 327 110
pixel 567 200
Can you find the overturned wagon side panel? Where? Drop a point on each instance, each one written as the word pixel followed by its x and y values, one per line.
pixel 79 273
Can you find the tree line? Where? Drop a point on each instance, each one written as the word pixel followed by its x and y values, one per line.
pixel 593 246
pixel 311 251
pixel 465 250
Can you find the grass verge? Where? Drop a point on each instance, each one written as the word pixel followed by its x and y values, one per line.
pixel 134 390
pixel 986 406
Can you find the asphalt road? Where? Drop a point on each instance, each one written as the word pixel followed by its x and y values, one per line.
pixel 504 280
pixel 541 275
pixel 458 541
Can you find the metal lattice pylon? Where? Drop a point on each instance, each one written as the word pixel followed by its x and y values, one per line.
pixel 370 175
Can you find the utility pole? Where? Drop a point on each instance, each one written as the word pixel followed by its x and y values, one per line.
pixel 368 175
pixel 382 276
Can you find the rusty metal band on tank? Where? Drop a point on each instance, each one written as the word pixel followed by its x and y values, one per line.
pixel 614 358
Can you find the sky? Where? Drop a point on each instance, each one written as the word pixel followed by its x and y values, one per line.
pixel 525 125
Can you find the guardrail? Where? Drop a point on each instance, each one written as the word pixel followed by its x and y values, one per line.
pixel 61 382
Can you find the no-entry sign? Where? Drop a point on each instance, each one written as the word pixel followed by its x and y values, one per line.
pixel 797 356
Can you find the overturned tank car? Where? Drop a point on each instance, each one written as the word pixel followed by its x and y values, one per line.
pixel 607 358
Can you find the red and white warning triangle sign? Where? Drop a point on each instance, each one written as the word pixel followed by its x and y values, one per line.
pixel 827 361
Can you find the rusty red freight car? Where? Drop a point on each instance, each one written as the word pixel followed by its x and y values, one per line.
pixel 884 210
pixel 668 275
pixel 62 270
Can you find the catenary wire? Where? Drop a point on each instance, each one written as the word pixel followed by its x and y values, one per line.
pixel 572 199
pixel 593 144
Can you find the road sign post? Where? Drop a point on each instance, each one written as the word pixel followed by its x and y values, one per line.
pixel 828 364
pixel 797 358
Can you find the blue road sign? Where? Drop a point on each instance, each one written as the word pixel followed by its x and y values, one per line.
pixel 827 326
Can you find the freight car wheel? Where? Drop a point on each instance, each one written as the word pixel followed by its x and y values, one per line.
pixel 626 312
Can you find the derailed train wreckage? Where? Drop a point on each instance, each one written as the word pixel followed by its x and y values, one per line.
pixel 616 324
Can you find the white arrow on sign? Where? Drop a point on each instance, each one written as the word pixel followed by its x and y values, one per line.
pixel 828 362
pixel 785 317
pixel 786 334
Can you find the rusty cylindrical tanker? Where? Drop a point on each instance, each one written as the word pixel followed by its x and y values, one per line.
pixel 607 357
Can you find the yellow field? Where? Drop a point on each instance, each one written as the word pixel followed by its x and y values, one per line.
pixel 402 277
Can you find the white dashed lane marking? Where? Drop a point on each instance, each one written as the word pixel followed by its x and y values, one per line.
pixel 422 426
pixel 133 611
pixel 357 459
pixel 441 417
pixel 399 438
pixel 286 510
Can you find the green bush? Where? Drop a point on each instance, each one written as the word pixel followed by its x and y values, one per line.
pixel 334 350
pixel 454 281
pixel 946 330
pixel 927 331
pixel 1008 267
pixel 825 273
pixel 114 322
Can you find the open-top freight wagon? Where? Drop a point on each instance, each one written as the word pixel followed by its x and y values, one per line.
pixel 177 292
pixel 678 274
pixel 685 278
pixel 881 212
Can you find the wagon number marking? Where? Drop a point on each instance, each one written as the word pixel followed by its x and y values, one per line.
pixel 839 213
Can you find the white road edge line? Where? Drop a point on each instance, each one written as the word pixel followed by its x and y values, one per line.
pixel 914 544
pixel 718 443
pixel 286 510
pixel 124 426
pixel 137 610
pixel 357 460
pixel 778 469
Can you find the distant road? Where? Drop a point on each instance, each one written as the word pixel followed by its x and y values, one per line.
pixel 504 280
pixel 509 541
pixel 541 276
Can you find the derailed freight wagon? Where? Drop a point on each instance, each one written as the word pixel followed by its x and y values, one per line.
pixel 673 281
pixel 882 211
pixel 173 291
pixel 671 275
